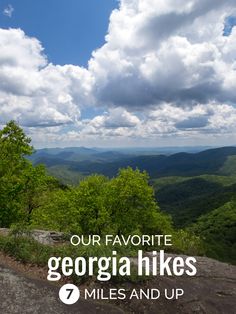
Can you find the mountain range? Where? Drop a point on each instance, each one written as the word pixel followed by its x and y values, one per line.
pixel 85 161
pixel 196 188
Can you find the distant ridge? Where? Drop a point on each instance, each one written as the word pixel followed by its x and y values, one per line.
pixel 88 161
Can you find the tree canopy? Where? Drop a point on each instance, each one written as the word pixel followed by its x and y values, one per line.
pixel 124 204
pixel 20 182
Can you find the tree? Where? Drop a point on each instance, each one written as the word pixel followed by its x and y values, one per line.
pixel 14 146
pixel 132 204
pixel 57 212
pixel 35 182
pixel 90 201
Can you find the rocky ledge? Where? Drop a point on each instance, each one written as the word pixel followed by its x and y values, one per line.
pixel 211 291
pixel 42 236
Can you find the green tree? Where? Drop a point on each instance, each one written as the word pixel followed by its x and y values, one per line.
pixel 132 204
pixel 14 146
pixel 91 203
pixel 57 212
pixel 35 183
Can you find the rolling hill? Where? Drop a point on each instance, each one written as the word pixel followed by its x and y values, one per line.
pixel 186 199
pixel 196 189
pixel 220 161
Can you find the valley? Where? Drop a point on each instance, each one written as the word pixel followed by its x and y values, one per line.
pixel 197 189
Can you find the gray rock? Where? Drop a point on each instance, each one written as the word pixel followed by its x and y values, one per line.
pixel 42 236
pixel 4 231
pixel 47 237
pixel 211 291
pixel 21 295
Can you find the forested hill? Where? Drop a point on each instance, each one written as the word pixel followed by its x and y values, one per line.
pixel 196 190
pixel 212 161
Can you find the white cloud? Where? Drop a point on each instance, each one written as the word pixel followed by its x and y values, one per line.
pixel 34 92
pixel 163 125
pixel 116 122
pixel 165 70
pixel 8 11
pixel 166 51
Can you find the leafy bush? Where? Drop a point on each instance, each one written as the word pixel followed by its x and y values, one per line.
pixel 122 205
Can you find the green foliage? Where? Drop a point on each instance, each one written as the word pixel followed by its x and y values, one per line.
pixel 21 185
pixel 181 164
pixel 189 198
pixel 20 229
pixel 191 202
pixel 35 183
pixel 27 250
pixel 57 212
pixel 160 183
pixel 90 202
pixel 14 145
pixel 229 167
pixel 218 229
pixel 185 241
pixel 122 205
pixel 132 204
pixel 65 175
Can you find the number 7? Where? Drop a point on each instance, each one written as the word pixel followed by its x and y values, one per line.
pixel 70 293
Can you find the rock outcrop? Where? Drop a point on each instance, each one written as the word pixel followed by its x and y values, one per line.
pixel 211 291
pixel 42 236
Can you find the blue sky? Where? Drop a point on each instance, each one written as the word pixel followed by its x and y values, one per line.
pixel 119 73
pixel 69 30
pixel 230 22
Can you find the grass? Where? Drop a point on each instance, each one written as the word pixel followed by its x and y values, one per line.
pixel 28 251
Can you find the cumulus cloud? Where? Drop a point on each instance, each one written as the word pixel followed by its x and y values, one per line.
pixel 164 125
pixel 171 51
pixel 167 69
pixel 115 122
pixel 34 92
pixel 120 118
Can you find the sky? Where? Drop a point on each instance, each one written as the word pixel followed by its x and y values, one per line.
pixel 119 73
